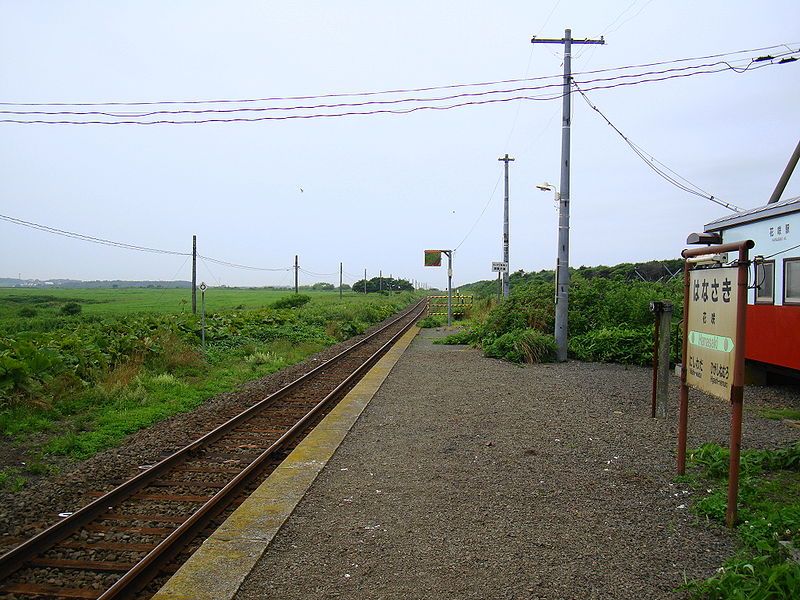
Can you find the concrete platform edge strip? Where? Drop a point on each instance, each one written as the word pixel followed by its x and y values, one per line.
pixel 223 562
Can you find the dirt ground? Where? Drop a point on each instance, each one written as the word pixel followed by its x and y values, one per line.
pixel 468 477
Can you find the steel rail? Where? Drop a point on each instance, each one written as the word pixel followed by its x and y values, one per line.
pixel 149 566
pixel 15 558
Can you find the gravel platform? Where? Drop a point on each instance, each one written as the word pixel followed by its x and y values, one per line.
pixel 468 477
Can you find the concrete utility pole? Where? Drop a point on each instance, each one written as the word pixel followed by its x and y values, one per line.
pixel 380 281
pixel 506 160
pixel 340 281
pixel 787 173
pixel 365 282
pixel 296 275
pixel 449 286
pixel 562 275
pixel 194 274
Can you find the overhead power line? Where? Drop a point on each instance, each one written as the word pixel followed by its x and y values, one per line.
pixel 400 90
pixel 125 246
pixel 245 267
pixel 660 168
pixel 90 238
pixel 589 85
pixel 556 85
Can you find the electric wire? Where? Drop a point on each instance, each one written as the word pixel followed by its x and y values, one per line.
pixel 782 251
pixel 127 246
pixel 397 90
pixel 431 88
pixel 480 216
pixel 629 19
pixel 90 238
pixel 540 97
pixel 307 272
pixel 205 264
pixel 648 159
pixel 244 267
pixel 514 90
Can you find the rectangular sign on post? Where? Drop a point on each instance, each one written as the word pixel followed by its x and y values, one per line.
pixel 433 258
pixel 499 267
pixel 712 330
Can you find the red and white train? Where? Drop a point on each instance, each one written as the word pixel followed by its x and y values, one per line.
pixel 773 313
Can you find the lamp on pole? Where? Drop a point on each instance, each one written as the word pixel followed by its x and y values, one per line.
pixel 562 272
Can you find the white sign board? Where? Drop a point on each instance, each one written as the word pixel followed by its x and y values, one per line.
pixel 500 267
pixel 712 330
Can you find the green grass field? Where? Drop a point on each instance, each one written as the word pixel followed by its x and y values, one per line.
pixel 107 301
pixel 82 368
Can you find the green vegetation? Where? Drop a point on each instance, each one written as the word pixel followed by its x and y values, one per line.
pixel 609 317
pixel 779 414
pixel 432 321
pixel 83 379
pixel 383 284
pixel 523 345
pixel 120 301
pixel 769 521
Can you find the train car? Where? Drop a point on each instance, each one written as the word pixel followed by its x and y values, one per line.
pixel 772 329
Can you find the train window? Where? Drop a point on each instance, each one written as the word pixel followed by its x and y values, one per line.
pixel 791 281
pixel 765 278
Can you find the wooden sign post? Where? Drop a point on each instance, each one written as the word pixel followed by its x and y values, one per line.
pixel 714 312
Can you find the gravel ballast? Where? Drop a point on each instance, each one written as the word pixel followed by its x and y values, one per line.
pixel 468 477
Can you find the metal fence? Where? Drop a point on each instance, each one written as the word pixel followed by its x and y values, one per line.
pixel 437 305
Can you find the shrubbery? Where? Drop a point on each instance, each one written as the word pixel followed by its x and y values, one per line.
pixel 432 321
pixel 609 318
pixel 523 345
pixel 614 344
pixel 82 350
pixel 71 308
pixel 293 301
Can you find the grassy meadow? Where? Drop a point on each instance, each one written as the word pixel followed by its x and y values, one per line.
pixel 121 301
pixel 82 368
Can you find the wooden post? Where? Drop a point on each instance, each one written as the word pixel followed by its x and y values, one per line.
pixel 194 274
pixel 662 388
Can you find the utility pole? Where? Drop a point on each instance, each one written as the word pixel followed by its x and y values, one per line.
pixel 506 160
pixel 787 173
pixel 449 286
pixel 296 275
pixel 380 281
pixel 194 274
pixel 365 282
pixel 340 281
pixel 562 275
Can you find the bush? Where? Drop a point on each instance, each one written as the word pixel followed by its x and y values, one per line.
pixel 71 308
pixel 464 337
pixel 524 345
pixel 27 311
pixel 432 321
pixel 294 301
pixel 614 344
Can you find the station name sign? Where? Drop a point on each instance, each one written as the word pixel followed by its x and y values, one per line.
pixel 712 330
pixel 500 267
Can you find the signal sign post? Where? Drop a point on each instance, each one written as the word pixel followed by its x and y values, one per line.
pixel 714 311
pixel 500 268
pixel 433 258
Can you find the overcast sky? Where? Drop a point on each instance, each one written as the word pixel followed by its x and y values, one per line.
pixel 375 191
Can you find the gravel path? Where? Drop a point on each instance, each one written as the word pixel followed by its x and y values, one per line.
pixel 468 477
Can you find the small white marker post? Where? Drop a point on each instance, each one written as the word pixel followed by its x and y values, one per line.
pixel 203 287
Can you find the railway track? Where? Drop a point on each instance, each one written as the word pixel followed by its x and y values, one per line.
pixel 127 541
